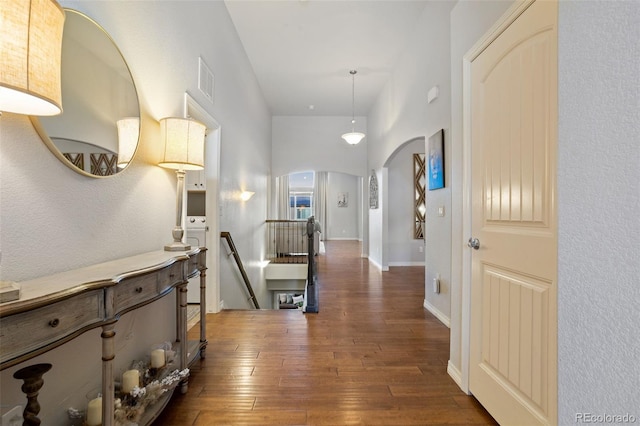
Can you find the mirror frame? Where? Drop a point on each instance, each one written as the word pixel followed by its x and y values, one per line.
pixel 47 139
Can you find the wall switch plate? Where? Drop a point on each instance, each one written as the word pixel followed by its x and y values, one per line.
pixel 13 417
pixel 441 211
pixel 432 94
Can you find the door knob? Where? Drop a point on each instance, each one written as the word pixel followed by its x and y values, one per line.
pixel 474 243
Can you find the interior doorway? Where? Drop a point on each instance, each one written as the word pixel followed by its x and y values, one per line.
pixel 212 178
pixel 510 277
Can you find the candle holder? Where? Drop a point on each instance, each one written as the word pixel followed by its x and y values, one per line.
pixel 32 377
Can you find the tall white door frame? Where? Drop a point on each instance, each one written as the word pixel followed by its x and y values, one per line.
pixel 212 175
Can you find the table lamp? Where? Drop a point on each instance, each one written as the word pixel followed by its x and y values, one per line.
pixel 183 144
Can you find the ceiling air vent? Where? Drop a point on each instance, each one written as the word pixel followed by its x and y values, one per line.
pixel 205 79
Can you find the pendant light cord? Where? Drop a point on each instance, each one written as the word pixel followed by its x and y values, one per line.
pixel 353 99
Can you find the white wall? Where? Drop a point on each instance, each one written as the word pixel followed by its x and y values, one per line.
pixel 314 143
pixel 404 249
pixel 401 114
pixel 469 21
pixel 342 222
pixel 598 205
pixel 54 219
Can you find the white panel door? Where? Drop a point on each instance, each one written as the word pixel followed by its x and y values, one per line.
pixel 513 358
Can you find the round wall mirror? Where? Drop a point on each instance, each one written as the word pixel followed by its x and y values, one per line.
pixel 98 131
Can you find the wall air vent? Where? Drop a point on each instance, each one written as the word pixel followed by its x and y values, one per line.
pixel 205 79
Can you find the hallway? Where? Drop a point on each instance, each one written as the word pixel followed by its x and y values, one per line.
pixel 372 356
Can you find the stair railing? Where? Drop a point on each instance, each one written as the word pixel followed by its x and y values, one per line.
pixel 236 256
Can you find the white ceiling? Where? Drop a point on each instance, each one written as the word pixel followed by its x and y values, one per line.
pixel 302 50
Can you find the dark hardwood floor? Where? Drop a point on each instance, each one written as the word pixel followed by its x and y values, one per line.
pixel 372 356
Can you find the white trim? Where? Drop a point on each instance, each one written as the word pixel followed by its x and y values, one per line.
pixel 212 166
pixel 465 301
pixel 383 190
pixel 437 313
pixel 341 239
pixel 406 264
pixel 377 265
pixel 498 28
pixel 455 374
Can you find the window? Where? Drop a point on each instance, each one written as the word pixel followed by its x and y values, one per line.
pixel 301 195
pixel 301 204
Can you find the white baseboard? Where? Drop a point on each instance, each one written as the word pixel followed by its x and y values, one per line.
pixel 342 239
pixel 406 263
pixel 377 265
pixel 442 317
pixel 374 263
pixel 455 374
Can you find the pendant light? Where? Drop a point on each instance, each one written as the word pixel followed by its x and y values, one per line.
pixel 353 137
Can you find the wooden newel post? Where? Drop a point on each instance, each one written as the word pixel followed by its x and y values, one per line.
pixel 312 288
pixel 32 377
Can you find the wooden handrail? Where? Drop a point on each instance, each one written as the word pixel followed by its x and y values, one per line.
pixel 236 256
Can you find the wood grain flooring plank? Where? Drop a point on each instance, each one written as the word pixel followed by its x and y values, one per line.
pixel 372 356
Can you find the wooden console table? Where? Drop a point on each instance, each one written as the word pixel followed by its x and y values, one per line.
pixel 55 309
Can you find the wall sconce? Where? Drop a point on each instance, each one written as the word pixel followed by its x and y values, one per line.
pixel 246 195
pixel 128 133
pixel 30 53
pixel 183 142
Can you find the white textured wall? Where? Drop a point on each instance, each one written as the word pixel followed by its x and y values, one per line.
pixel 598 209
pixel 470 19
pixel 313 143
pixel 378 223
pixel 54 219
pixel 401 114
pixel 404 249
pixel 342 222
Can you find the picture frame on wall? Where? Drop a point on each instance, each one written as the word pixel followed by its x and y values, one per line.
pixel 435 172
pixel 343 199
pixel 373 190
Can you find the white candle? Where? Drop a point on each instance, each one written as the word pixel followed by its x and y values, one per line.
pixel 94 412
pixel 130 379
pixel 157 358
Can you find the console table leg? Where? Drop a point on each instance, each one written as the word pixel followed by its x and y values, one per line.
pixel 203 312
pixel 108 390
pixel 32 377
pixel 182 333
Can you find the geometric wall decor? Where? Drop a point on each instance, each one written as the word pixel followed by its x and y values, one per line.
pixel 104 164
pixel 76 158
pixel 419 203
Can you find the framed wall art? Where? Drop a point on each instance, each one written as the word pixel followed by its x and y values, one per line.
pixel 373 190
pixel 419 199
pixel 435 149
pixel 343 199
